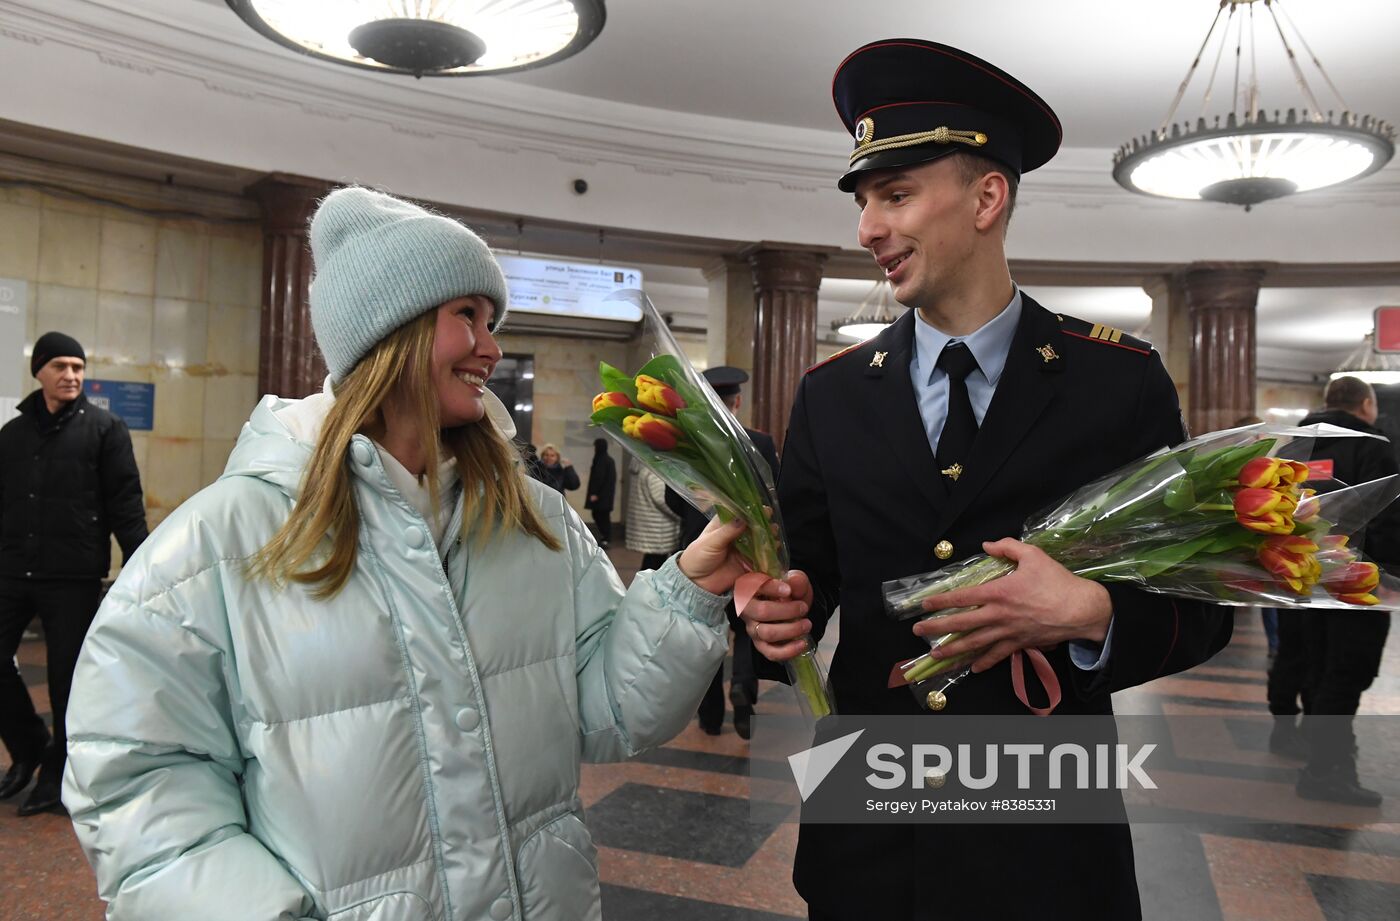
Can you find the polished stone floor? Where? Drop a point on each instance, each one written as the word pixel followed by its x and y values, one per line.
pixel 677 839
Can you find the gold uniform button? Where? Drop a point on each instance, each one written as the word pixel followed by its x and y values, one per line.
pixel 943 549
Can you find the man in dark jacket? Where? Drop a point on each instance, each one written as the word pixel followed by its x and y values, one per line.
pixel 1343 648
pixel 68 482
pixel 727 382
pixel 602 490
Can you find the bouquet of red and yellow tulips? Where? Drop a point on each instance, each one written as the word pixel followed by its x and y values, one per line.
pixel 669 417
pixel 1224 518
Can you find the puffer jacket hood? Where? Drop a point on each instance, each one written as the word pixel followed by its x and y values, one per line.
pixel 407 750
pixel 276 442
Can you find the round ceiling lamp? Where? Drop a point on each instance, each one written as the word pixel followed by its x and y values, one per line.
pixel 862 325
pixel 1369 365
pixel 1252 157
pixel 432 38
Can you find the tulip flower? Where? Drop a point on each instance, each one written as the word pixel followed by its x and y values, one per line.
pixel 1264 510
pixel 1308 507
pixel 610 398
pixel 658 396
pixel 1291 559
pixel 1354 582
pixel 661 434
pixel 1260 473
pixel 1272 472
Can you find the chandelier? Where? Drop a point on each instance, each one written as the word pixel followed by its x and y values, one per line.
pixel 436 38
pixel 1369 365
pixel 1253 157
pixel 861 325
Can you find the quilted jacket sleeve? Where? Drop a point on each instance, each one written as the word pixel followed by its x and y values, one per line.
pixel 645 654
pixel 152 781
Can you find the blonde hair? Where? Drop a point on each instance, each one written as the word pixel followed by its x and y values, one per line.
pixel 398 368
pixel 549 447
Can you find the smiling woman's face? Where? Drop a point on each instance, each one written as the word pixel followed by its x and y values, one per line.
pixel 550 457
pixel 464 355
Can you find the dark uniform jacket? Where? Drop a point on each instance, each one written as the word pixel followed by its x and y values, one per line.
pixel 67 483
pixel 863 502
pixel 1360 460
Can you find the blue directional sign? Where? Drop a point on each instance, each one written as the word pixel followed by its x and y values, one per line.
pixel 133 401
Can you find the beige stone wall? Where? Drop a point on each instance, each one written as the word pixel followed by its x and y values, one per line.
pixel 1274 395
pixel 173 303
pixel 566 378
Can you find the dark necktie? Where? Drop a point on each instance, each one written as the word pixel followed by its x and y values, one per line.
pixel 960 427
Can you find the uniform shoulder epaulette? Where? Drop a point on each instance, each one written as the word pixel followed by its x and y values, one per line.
pixel 1106 335
pixel 830 358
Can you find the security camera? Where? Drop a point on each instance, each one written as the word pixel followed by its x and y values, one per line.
pixel 580 186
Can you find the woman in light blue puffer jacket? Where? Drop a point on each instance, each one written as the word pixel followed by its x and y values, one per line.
pixel 349 681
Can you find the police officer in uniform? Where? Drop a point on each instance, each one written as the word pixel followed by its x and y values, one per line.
pixel 973 411
pixel 727 382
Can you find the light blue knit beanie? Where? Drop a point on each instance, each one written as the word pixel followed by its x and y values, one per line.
pixel 381 262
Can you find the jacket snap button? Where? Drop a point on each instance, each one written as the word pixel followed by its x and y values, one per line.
pixel 467 719
pixel 414 537
pixel 363 453
pixel 500 909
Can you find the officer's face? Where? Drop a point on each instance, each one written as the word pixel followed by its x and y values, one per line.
pixel 920 224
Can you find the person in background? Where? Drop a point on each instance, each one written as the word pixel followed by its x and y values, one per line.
pixel 602 488
pixel 68 482
pixel 556 471
pixel 728 384
pixel 356 676
pixel 653 530
pixel 1343 649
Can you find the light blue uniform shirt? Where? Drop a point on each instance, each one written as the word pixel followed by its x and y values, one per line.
pixel 990 345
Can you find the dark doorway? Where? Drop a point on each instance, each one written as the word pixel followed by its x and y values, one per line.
pixel 513 382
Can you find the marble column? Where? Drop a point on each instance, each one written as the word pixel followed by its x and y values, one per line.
pixel 785 330
pixel 730 333
pixel 289 364
pixel 1221 299
pixel 1170 331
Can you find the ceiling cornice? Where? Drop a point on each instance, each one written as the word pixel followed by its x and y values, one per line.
pixel 197 42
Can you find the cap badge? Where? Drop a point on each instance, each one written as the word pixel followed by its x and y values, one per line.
pixel 1047 352
pixel 865 131
pixel 879 360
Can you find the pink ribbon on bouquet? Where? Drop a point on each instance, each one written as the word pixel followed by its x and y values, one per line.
pixel 1049 681
pixel 1043 670
pixel 745 588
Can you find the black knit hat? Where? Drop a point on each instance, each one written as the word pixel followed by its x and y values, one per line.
pixel 51 346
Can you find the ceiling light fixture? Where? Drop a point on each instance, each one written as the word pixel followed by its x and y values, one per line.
pixel 1253 158
pixel 434 38
pixel 1369 365
pixel 861 325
